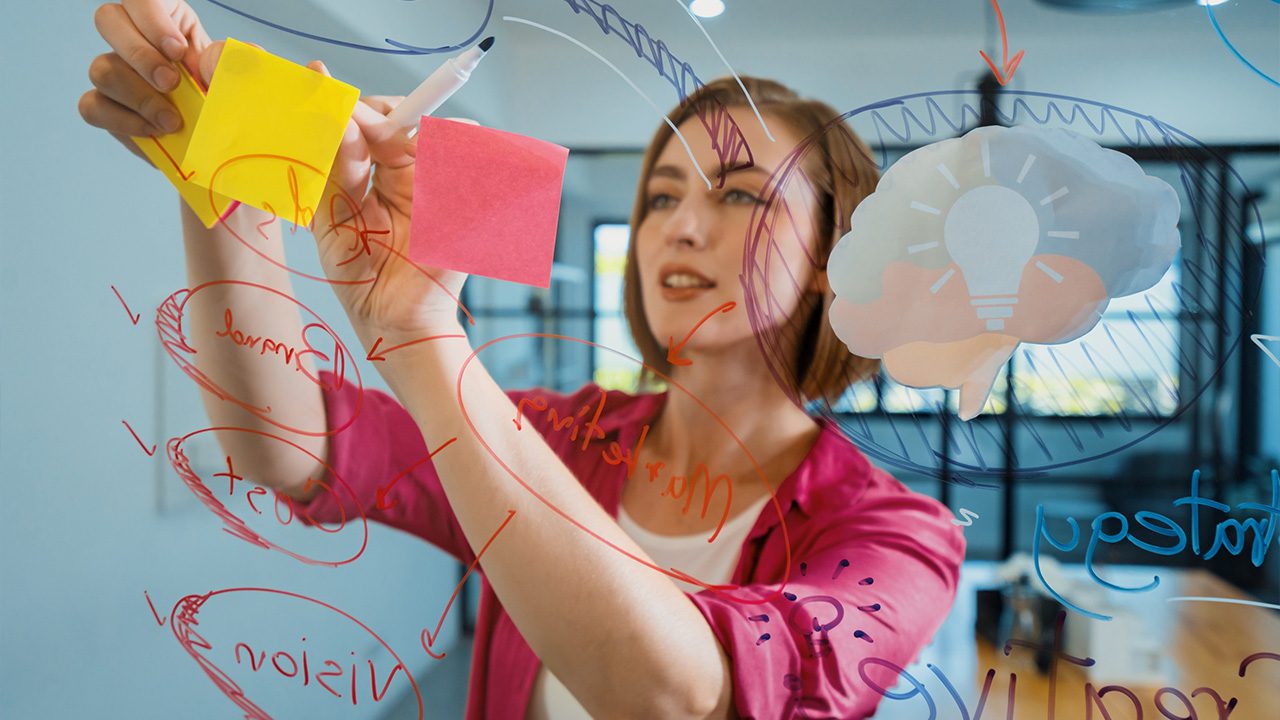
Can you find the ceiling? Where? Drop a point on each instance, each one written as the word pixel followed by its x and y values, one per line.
pixel 1168 63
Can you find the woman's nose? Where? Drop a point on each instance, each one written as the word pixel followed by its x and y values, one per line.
pixel 687 227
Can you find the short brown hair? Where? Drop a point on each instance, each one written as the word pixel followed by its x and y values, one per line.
pixel 839 170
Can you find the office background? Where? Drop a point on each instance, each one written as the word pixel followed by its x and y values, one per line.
pixel 92 522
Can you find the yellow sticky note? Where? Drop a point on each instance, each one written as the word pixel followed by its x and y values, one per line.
pixel 262 108
pixel 167 152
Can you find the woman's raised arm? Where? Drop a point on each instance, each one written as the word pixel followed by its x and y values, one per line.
pixel 148 38
pixel 625 640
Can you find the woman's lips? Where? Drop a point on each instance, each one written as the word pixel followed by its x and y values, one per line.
pixel 682 293
pixel 682 282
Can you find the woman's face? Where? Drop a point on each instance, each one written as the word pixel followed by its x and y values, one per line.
pixel 690 245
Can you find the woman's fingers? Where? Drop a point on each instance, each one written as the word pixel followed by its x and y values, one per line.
pixel 386 142
pixel 208 60
pixel 101 111
pixel 348 177
pixel 116 80
pixel 155 20
pixel 351 164
pixel 147 38
pixel 382 103
pixel 120 32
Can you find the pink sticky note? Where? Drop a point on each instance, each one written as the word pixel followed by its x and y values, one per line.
pixel 485 201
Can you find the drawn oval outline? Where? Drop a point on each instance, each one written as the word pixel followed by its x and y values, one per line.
pixel 185 616
pixel 169 326
pixel 237 527
pixel 723 590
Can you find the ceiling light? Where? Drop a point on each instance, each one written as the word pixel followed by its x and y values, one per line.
pixel 706 8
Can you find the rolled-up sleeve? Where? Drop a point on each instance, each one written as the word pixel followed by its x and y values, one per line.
pixel 383 461
pixel 878 577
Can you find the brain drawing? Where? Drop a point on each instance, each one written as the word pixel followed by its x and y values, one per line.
pixel 972 245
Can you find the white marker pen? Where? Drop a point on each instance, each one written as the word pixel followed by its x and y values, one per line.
pixel 438 87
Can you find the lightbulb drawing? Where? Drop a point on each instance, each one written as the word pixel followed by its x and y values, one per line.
pixel 1042 227
pixel 991 232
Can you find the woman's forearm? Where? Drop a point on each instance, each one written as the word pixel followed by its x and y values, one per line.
pixel 622 637
pixel 246 374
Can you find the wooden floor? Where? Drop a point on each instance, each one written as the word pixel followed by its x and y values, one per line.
pixel 1197 649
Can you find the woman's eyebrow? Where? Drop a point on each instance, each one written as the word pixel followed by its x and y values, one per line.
pixel 668 171
pixel 755 169
pixel 676 172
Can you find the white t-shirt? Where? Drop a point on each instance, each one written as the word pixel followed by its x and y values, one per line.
pixel 713 563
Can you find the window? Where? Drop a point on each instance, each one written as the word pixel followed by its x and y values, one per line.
pixel 612 370
pixel 1126 365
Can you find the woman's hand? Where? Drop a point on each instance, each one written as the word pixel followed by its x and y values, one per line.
pixel 363 235
pixel 147 38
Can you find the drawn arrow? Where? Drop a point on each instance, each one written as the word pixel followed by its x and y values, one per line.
pixel 673 349
pixel 374 356
pixel 382 502
pixel 428 638
pixel 159 620
pixel 1010 65
pixel 150 452
pixel 1258 339
pixel 132 318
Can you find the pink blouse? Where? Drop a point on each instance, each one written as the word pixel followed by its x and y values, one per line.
pixel 873 573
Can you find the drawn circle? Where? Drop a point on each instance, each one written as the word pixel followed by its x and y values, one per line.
pixel 920 119
pixel 170 326
pixel 672 385
pixel 236 526
pixel 184 621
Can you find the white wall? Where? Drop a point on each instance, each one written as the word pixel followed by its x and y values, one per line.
pixel 83 536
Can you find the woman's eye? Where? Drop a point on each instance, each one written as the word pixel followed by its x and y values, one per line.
pixel 661 201
pixel 739 197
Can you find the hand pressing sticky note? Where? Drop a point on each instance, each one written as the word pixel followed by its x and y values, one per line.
pixel 166 152
pixel 485 201
pixel 260 106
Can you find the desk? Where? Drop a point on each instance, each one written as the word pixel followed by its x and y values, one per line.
pixel 1204 645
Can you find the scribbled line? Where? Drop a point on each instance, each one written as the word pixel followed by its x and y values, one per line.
pixel 968 515
pixel 397 48
pixel 726 137
pixel 712 43
pixel 169 327
pixel 622 75
pixel 1231 601
pixel 1213 19
pixel 935 117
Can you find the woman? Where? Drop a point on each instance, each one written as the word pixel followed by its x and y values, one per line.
pixel 603 594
